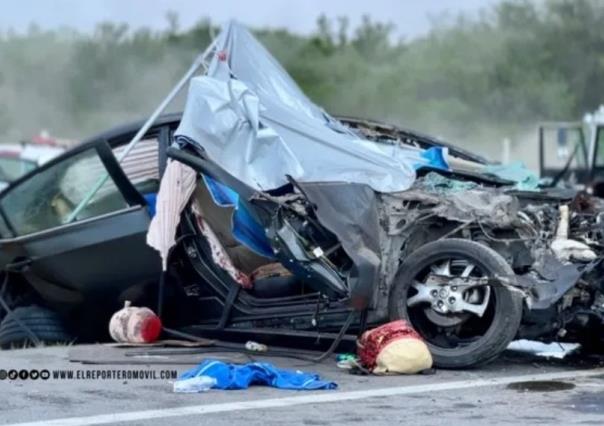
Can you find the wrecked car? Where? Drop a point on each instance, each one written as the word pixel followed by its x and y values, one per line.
pixel 570 153
pixel 275 219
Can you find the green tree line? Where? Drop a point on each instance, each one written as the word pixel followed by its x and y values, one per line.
pixel 472 80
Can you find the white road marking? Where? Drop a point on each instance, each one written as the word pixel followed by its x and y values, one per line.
pixel 314 398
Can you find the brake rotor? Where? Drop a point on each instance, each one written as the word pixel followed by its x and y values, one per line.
pixel 448 320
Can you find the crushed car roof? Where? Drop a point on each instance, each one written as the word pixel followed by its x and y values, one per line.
pixel 252 119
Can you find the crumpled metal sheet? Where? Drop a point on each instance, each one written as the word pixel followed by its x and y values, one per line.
pixel 480 205
pixel 350 211
pixel 464 201
pixel 487 207
pixel 253 120
pixel 557 278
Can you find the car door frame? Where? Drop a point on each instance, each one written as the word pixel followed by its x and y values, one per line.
pixel 235 305
pixel 21 253
pixel 105 154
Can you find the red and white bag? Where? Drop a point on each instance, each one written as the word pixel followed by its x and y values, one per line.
pixel 393 348
pixel 134 325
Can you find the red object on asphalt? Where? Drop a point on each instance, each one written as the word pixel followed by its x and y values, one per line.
pixel 135 325
pixel 372 342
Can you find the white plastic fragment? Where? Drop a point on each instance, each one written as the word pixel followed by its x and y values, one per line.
pixel 255 346
pixel 566 249
pixel 573 250
pixel 195 384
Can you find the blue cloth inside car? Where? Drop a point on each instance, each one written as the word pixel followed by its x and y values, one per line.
pixel 151 199
pixel 245 228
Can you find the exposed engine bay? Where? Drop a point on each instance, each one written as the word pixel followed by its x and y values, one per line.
pixel 529 257
pixel 553 245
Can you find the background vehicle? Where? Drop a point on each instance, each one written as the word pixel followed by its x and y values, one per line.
pixel 19 159
pixel 574 152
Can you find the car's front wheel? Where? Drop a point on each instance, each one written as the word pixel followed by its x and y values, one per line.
pixel 448 291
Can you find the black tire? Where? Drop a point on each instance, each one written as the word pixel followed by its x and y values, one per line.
pixel 507 311
pixel 44 323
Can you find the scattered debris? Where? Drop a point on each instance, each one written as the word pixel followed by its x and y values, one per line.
pixel 255 346
pixel 165 343
pixel 347 361
pixel 546 350
pixel 102 354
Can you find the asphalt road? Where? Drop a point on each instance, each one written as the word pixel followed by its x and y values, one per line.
pixel 489 395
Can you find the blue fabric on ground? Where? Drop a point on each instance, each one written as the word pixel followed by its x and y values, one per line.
pixel 436 158
pixel 245 229
pixel 233 376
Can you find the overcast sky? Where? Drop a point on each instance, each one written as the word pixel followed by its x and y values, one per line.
pixel 411 17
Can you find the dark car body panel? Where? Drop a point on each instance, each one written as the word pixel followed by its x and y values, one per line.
pixel 102 256
pixel 85 266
